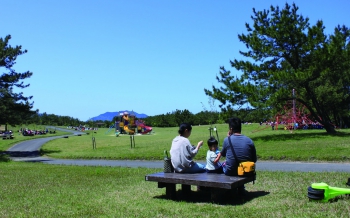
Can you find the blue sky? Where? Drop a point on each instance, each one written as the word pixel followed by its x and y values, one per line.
pixel 90 57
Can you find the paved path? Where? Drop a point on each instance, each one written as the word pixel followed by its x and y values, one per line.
pixel 28 151
pixel 30 148
pixel 261 165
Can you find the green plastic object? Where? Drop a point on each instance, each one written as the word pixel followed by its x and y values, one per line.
pixel 329 192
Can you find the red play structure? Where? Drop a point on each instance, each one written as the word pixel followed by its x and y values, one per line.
pixel 293 116
pixel 296 116
pixel 142 128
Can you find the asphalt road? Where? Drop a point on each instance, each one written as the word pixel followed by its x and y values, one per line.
pixel 28 151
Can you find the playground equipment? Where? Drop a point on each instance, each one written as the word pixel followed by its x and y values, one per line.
pixel 211 129
pixel 132 141
pixel 293 116
pixel 109 129
pixel 323 192
pixel 142 128
pixel 93 142
pixel 129 125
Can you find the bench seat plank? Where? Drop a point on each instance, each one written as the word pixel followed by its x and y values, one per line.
pixel 200 179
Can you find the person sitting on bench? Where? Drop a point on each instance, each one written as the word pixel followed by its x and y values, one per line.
pixel 212 154
pixel 182 152
pixel 243 147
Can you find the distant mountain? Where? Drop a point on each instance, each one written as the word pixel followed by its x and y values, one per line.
pixel 109 115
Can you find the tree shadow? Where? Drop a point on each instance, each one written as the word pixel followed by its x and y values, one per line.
pixel 37 161
pixel 226 197
pixel 47 151
pixel 22 153
pixel 35 153
pixel 4 157
pixel 298 136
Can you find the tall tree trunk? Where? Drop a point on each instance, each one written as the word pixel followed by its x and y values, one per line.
pixel 329 127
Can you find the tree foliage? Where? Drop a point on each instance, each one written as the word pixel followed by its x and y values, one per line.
pixel 177 117
pixel 284 52
pixel 14 107
pixel 171 119
pixel 54 120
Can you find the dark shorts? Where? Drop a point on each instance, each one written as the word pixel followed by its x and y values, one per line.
pixel 218 170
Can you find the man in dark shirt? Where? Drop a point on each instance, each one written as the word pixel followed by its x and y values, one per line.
pixel 243 147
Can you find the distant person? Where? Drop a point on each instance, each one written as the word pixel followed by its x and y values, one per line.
pixel 296 125
pixel 213 165
pixel 243 147
pixel 182 152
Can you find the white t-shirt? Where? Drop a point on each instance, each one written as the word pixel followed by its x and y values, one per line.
pixel 211 156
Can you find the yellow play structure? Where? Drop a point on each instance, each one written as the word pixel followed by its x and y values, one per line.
pixel 128 121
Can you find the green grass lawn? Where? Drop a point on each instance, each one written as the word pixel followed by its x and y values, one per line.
pixel 43 190
pixel 300 145
pixel 18 137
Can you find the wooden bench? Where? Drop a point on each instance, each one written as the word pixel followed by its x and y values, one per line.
pixel 215 182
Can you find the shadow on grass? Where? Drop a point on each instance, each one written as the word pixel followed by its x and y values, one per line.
pixel 298 135
pixel 226 197
pixel 46 151
pixel 4 155
pixel 22 153
pixel 37 161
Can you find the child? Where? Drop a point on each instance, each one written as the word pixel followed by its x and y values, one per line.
pixel 212 165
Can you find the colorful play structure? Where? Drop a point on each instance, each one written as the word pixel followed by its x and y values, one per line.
pixel 296 116
pixel 127 124
pixel 293 116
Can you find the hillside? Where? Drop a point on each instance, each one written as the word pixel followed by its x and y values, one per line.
pixel 109 115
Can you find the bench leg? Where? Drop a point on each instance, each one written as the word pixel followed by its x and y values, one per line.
pixel 186 189
pixel 216 194
pixel 170 191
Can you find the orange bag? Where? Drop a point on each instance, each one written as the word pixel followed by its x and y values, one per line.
pixel 246 168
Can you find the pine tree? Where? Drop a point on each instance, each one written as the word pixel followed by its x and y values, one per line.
pixel 14 107
pixel 284 53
